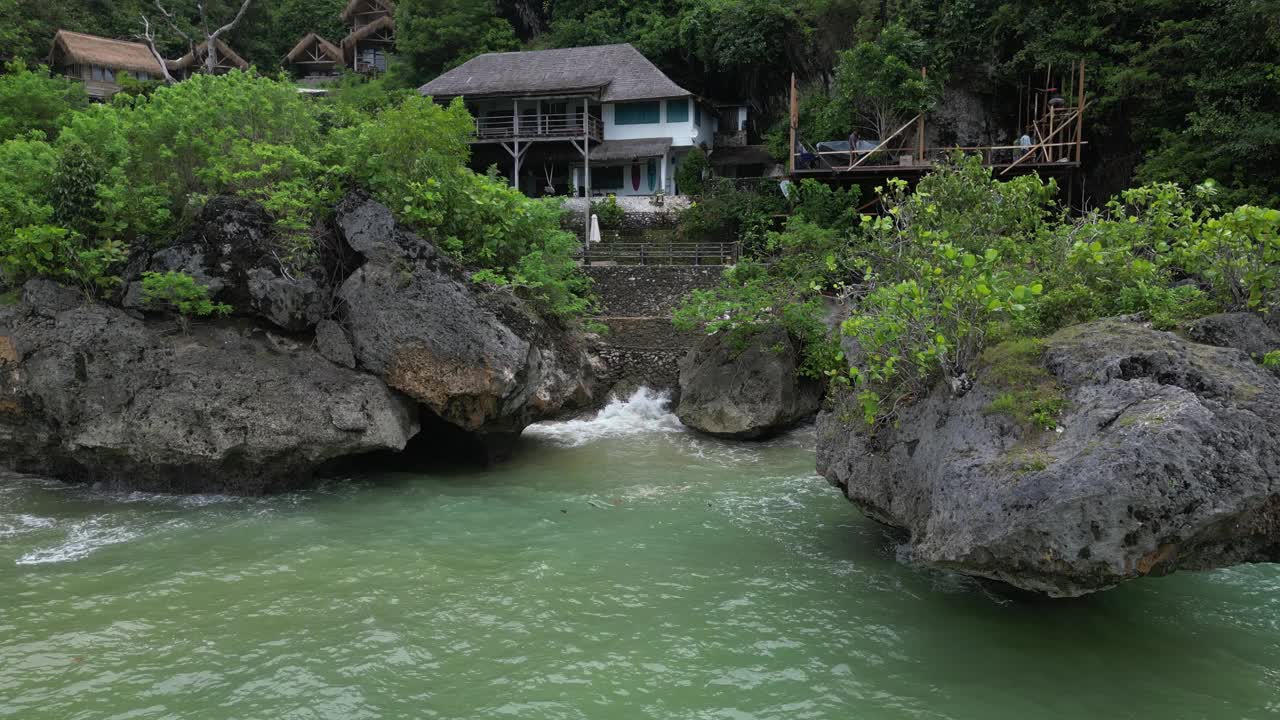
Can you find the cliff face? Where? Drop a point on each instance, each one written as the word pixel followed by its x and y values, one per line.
pixel 388 336
pixel 1166 457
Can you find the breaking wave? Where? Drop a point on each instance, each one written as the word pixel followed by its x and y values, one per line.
pixel 646 411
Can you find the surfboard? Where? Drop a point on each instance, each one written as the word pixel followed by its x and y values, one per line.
pixel 635 177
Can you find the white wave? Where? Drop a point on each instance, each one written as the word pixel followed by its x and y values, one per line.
pixel 646 411
pixel 83 539
pixel 11 525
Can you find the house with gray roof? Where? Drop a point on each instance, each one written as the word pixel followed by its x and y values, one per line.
pixel 586 120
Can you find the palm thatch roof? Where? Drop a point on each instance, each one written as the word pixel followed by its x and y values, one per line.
pixel 613 73
pixel 225 56
pixel 328 49
pixel 386 22
pixel 81 49
pixel 353 8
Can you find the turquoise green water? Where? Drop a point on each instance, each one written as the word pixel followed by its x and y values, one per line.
pixel 616 569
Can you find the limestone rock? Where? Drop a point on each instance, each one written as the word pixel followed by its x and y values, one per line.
pixel 91 394
pixel 482 361
pixel 1167 458
pixel 332 343
pixel 1248 332
pixel 749 392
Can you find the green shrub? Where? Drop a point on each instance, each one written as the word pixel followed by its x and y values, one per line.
pixel 608 211
pixel 692 172
pixel 62 254
pixel 36 100
pixel 181 293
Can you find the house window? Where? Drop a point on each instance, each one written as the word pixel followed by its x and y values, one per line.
pixel 678 110
pixel 637 113
pixel 101 74
pixel 606 178
pixel 373 58
pixel 697 115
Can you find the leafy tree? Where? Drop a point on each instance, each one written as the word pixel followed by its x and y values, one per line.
pixel 435 35
pixel 35 100
pixel 878 85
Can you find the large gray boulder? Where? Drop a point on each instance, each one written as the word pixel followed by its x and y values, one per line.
pixel 483 361
pixel 90 394
pixel 747 392
pixel 1166 457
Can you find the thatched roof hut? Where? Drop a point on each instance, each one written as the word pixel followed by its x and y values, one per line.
pixel 366 46
pixel 314 59
pixel 73 48
pixel 99 62
pixel 358 11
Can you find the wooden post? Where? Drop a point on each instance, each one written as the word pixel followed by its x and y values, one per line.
pixel 795 120
pixel 1080 111
pixel 515 141
pixel 586 177
pixel 924 75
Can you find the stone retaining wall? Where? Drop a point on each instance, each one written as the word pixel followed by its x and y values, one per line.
pixel 642 346
pixel 648 290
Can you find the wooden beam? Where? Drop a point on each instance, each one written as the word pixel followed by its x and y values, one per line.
pixel 1080 112
pixel 795 120
pixel 883 142
pixel 1041 145
pixel 586 178
pixel 924 75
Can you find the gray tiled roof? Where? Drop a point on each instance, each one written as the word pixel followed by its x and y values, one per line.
pixel 617 72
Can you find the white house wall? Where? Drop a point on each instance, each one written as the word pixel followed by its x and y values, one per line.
pixel 682 134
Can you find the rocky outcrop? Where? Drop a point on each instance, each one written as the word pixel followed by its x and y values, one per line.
pixel 483 361
pixel 1248 332
pixel 417 360
pixel 230 250
pixel 91 394
pixel 1166 457
pixel 748 392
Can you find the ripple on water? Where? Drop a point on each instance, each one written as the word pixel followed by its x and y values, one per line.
pixel 82 539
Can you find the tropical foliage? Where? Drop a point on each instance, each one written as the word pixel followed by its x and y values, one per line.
pixel 965 261
pixel 77 198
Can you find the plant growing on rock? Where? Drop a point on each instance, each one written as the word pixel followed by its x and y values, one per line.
pixel 180 292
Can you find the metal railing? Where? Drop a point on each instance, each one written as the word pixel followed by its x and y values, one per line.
pixel 664 253
pixel 561 125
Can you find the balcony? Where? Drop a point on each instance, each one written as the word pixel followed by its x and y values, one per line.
pixel 565 126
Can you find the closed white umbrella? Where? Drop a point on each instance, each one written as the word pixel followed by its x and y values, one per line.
pixel 595 228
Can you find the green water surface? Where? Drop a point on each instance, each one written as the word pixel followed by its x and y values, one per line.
pixel 618 568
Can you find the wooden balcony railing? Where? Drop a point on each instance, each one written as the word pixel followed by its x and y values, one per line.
pixel 532 127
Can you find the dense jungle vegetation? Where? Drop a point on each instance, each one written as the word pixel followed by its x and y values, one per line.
pixel 83 187
pixel 1181 90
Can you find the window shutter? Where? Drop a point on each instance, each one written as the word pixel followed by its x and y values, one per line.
pixel 637 113
pixel 678 110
